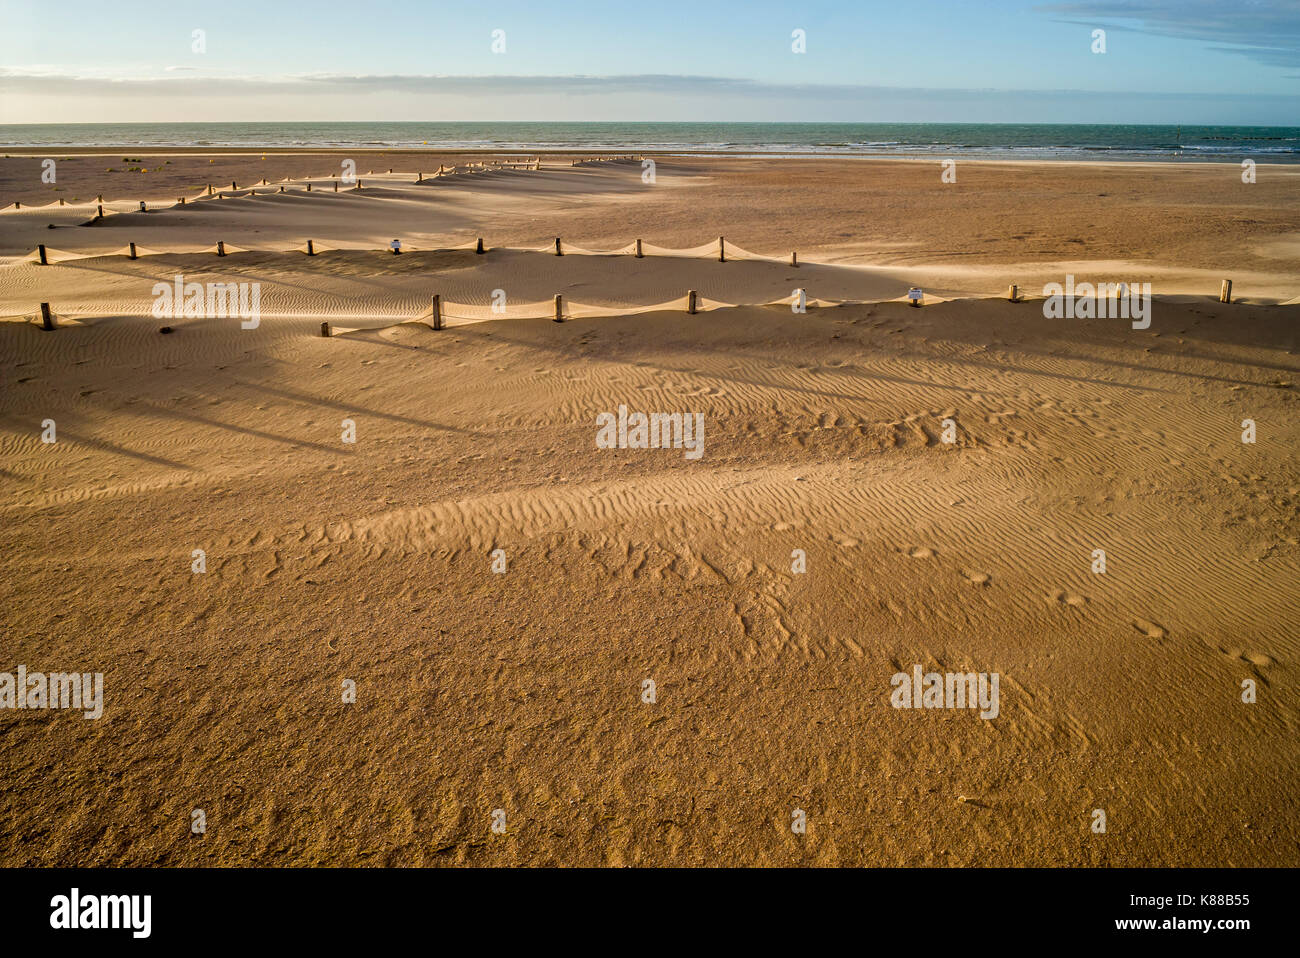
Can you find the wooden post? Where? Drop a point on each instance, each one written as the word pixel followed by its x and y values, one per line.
pixel 325 330
pixel 1225 292
pixel 690 301
pixel 722 250
pixel 558 250
pixel 233 185
pixel 62 201
pixel 221 248
pixel 437 311
pixel 419 178
pixel 336 186
pixel 311 250
pixel 794 258
pixel 308 187
pixel 638 250
pixel 40 249
pixel 209 189
pixel 559 308
pixel 47 320
pixel 180 200
pixel 479 249
pixel 100 213
pixel 142 207
pixel 132 255
pixel 1013 293
pixel 99 198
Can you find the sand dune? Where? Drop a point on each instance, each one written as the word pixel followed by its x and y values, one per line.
pixel 824 432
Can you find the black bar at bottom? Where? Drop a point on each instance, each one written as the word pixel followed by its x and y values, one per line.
pixel 963 909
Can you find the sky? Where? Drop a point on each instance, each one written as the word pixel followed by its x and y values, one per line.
pixel 1165 61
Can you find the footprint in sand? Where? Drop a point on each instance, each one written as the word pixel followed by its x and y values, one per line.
pixel 1069 598
pixel 1257 658
pixel 922 552
pixel 846 542
pixel 1150 629
pixel 977 578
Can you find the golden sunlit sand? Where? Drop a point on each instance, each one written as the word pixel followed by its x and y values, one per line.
pixel 825 433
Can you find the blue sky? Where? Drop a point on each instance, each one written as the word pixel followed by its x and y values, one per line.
pixel 1167 61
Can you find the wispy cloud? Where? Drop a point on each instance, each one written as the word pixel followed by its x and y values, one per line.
pixel 50 96
pixel 51 82
pixel 1267 31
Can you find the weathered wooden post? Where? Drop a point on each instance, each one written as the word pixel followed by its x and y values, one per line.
pixel 722 250
pixel 47 319
pixel 132 253
pixel 794 258
pixel 437 311
pixel 1013 293
pixel 325 330
pixel 559 308
pixel 221 248
pixel 308 187
pixel 142 207
pixel 479 248
pixel 690 301
pixel 209 189
pixel 234 185
pixel 1225 292
pixel 558 250
pixel 99 211
pixel 336 186
pixel 40 251
pixel 638 250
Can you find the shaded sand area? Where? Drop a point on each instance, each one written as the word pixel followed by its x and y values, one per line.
pixel 523 690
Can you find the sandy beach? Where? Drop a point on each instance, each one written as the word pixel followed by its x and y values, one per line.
pixel 880 488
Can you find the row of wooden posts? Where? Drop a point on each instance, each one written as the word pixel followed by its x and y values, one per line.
pixel 692 300
pixel 605 159
pixel 234 185
pixel 692 303
pixel 478 248
pixel 1014 293
pixel 442 171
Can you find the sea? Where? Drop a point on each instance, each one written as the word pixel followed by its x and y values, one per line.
pixel 993 140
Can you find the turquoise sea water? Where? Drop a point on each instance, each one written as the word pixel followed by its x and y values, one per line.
pixel 1030 141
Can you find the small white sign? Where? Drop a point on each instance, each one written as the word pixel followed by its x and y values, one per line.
pixel 914 293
